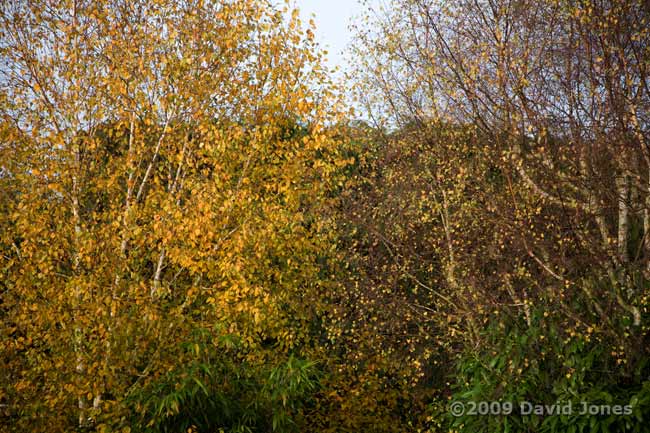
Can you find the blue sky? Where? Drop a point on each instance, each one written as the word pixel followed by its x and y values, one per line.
pixel 332 19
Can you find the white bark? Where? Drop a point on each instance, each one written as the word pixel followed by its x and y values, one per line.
pixel 623 190
pixel 174 190
pixel 78 295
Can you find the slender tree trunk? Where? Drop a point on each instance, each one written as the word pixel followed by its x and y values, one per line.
pixel 623 192
pixel 155 289
pixel 78 295
pixel 174 191
pixel 646 225
pixel 126 217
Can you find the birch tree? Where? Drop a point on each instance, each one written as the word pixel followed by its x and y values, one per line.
pixel 159 162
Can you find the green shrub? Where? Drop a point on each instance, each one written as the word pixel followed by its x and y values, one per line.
pixel 214 389
pixel 545 365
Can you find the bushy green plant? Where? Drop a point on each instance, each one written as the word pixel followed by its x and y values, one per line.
pixel 545 365
pixel 214 389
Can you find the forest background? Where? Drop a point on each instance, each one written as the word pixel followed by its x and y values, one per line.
pixel 198 234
